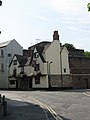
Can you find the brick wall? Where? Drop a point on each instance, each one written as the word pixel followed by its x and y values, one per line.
pixel 56 81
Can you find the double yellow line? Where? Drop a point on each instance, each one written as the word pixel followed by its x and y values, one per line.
pixel 87 93
pixel 45 106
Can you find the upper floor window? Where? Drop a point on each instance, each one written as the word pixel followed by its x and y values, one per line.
pixel 14 72
pixel 33 63
pixel 37 79
pixel 14 62
pixel 36 55
pixel 64 70
pixel 37 67
pixel 2 53
pixel 22 70
pixel 9 55
pixel 2 67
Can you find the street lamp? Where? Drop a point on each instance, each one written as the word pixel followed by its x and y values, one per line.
pixel 61 68
pixel 49 75
pixel 48 72
pixel 0 3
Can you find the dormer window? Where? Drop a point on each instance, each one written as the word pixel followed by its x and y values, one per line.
pixel 36 55
pixel 37 67
pixel 14 62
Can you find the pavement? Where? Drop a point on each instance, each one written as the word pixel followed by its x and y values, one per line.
pixel 19 110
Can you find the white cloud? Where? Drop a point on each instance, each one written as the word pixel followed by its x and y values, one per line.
pixel 5 36
pixel 73 7
pixel 43 18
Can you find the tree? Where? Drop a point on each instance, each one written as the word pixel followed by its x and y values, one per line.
pixel 0 3
pixel 69 46
pixel 87 54
pixel 88 6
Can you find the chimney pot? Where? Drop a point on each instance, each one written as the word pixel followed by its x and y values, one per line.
pixel 55 35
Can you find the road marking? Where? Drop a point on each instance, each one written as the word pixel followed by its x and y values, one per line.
pixel 43 105
pixel 87 93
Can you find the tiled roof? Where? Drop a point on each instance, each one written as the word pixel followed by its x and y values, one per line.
pixel 4 44
pixel 40 50
pixel 28 61
pixel 21 59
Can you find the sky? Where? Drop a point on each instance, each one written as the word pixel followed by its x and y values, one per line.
pixel 33 21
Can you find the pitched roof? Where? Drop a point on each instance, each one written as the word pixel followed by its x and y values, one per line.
pixel 40 50
pixel 42 44
pixel 28 61
pixel 41 47
pixel 4 44
pixel 21 59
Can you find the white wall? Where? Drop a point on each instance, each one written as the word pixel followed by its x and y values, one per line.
pixel 65 61
pixel 29 70
pixel 43 83
pixel 52 54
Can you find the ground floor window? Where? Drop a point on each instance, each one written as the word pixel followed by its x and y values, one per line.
pixel 12 82
pixel 37 79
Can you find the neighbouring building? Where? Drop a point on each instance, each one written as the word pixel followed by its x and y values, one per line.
pixel 79 69
pixel 7 51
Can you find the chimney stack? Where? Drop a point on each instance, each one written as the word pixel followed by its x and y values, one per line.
pixel 55 35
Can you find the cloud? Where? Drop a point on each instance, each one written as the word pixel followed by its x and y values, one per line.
pixel 6 36
pixel 43 18
pixel 69 6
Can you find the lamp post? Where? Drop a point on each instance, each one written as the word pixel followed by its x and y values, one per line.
pixel 49 73
pixel 61 69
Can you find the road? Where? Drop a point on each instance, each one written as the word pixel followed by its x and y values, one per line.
pixel 69 104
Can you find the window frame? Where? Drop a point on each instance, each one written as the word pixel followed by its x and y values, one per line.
pixel 2 67
pixel 14 62
pixel 37 79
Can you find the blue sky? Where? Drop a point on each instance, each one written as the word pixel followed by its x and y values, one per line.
pixel 32 21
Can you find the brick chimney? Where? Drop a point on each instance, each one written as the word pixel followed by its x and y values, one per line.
pixel 55 35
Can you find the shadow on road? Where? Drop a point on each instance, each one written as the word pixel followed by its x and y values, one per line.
pixel 19 110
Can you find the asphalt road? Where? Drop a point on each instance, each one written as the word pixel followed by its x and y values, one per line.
pixel 69 105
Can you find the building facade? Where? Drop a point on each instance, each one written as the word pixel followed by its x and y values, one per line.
pixel 7 51
pixel 51 65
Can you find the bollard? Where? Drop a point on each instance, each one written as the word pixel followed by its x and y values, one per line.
pixel 0 97
pixel 5 108
pixel 3 99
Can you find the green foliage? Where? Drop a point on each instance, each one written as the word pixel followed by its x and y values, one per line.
pixel 87 54
pixel 69 46
pixel 88 6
